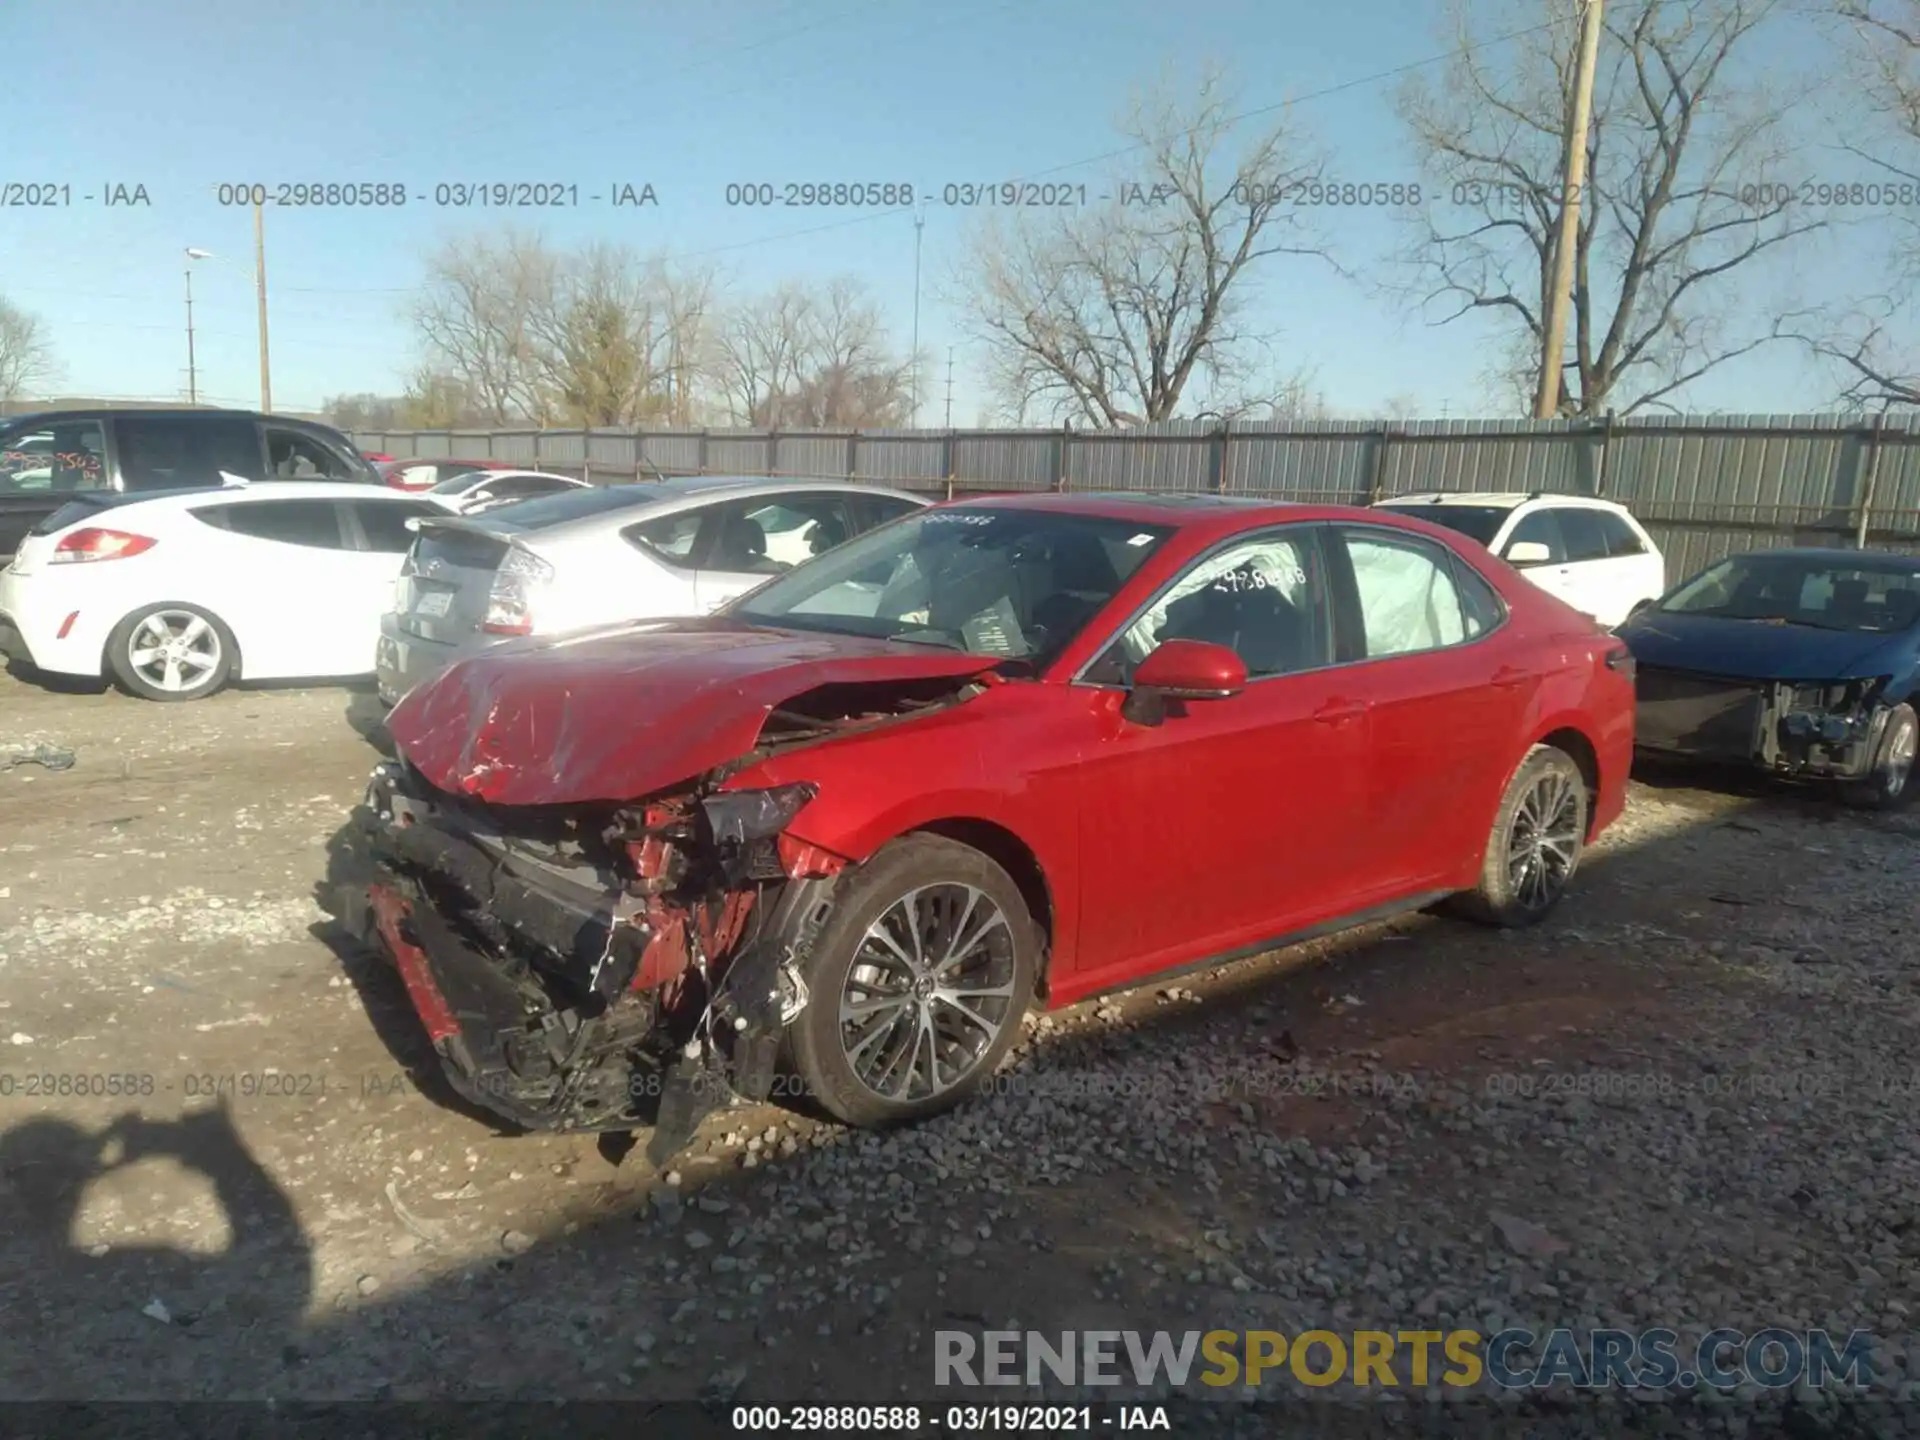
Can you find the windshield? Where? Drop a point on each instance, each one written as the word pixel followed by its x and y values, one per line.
pixel 578 504
pixel 1006 583
pixel 1476 522
pixel 1805 590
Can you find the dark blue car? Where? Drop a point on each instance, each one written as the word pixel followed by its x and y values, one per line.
pixel 1800 662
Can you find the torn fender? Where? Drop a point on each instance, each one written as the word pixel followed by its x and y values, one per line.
pixel 611 715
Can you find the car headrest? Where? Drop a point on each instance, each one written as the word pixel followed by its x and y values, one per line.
pixel 743 539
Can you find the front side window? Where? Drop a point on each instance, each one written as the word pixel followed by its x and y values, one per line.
pixel 670 538
pixel 54 459
pixel 766 537
pixel 292 455
pixel 1542 527
pixel 1622 539
pixel 1002 583
pixel 313 524
pixel 1408 600
pixel 1264 598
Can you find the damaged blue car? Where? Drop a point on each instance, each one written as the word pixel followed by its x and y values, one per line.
pixel 1802 663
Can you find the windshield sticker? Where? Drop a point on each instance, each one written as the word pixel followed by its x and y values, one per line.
pixel 955 517
pixel 995 632
pixel 1139 540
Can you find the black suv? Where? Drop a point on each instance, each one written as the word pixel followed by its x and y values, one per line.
pixel 46 459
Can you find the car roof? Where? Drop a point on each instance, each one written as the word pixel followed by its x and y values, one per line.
pixel 142 412
pixel 1500 499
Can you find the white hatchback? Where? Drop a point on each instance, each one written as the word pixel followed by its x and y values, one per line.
pixel 1590 553
pixel 175 594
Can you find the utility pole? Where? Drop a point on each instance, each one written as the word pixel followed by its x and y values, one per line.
pixel 1573 177
pixel 919 224
pixel 260 284
pixel 949 387
pixel 193 378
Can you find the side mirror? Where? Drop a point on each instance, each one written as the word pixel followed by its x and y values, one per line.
pixel 1528 552
pixel 1192 670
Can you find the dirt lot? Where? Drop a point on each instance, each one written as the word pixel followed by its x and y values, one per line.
pixel 1696 1080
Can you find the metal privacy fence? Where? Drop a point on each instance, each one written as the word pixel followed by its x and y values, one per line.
pixel 1705 487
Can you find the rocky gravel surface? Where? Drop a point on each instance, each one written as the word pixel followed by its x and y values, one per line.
pixel 1687 1101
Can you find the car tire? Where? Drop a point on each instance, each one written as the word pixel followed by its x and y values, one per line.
pixel 860 1070
pixel 205 659
pixel 1520 880
pixel 1890 786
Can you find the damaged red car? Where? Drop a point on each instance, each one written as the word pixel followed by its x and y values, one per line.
pixel 835 839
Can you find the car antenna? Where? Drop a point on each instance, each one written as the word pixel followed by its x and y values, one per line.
pixel 653 470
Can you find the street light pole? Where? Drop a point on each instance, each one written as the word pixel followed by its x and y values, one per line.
pixel 260 284
pixel 1573 173
pixel 193 379
pixel 919 224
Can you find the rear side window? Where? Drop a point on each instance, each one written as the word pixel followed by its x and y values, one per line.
pixel 177 452
pixel 672 538
pixel 57 459
pixel 1585 537
pixel 1408 599
pixel 1541 527
pixel 314 524
pixel 384 523
pixel 1622 539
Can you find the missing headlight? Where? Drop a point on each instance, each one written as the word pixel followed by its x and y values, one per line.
pixel 737 817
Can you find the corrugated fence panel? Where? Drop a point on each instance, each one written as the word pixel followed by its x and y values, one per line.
pixel 1705 486
pixel 822 453
pixel 1007 460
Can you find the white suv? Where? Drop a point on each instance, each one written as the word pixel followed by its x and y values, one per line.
pixel 1590 553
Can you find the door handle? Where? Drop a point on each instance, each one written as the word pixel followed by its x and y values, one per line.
pixel 1508 677
pixel 1334 711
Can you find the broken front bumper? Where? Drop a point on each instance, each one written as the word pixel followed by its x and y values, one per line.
pixel 1828 729
pixel 564 995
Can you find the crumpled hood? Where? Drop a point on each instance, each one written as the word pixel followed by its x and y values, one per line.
pixel 617 713
pixel 1751 649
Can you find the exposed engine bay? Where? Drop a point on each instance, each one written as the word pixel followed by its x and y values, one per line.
pixel 615 967
pixel 1826 729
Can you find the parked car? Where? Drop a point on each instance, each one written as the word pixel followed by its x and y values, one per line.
pixel 479 490
pixel 377 457
pixel 594 555
pixel 1590 553
pixel 175 595
pixel 1800 662
pixel 1004 750
pixel 425 474
pixel 48 458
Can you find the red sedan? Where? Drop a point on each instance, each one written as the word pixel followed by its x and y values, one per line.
pixel 1004 752
pixel 425 474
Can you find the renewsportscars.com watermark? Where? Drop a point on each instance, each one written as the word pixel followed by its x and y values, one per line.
pixel 1655 1359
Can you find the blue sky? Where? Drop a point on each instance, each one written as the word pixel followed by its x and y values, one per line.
pixel 183 96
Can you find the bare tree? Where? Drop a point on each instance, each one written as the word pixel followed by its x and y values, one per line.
pixel 476 321
pixel 1113 312
pixel 1672 220
pixel 364 411
pixel 794 357
pixel 438 401
pixel 26 355
pixel 1870 340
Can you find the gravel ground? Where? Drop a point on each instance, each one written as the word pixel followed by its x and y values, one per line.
pixel 1686 1101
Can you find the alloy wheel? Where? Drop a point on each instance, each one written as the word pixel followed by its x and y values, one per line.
pixel 929 991
pixel 174 650
pixel 1544 841
pixel 1900 750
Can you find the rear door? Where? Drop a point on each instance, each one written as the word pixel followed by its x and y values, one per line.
pixel 1642 571
pixel 287 587
pixel 1447 685
pixel 44 466
pixel 750 540
pixel 1599 585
